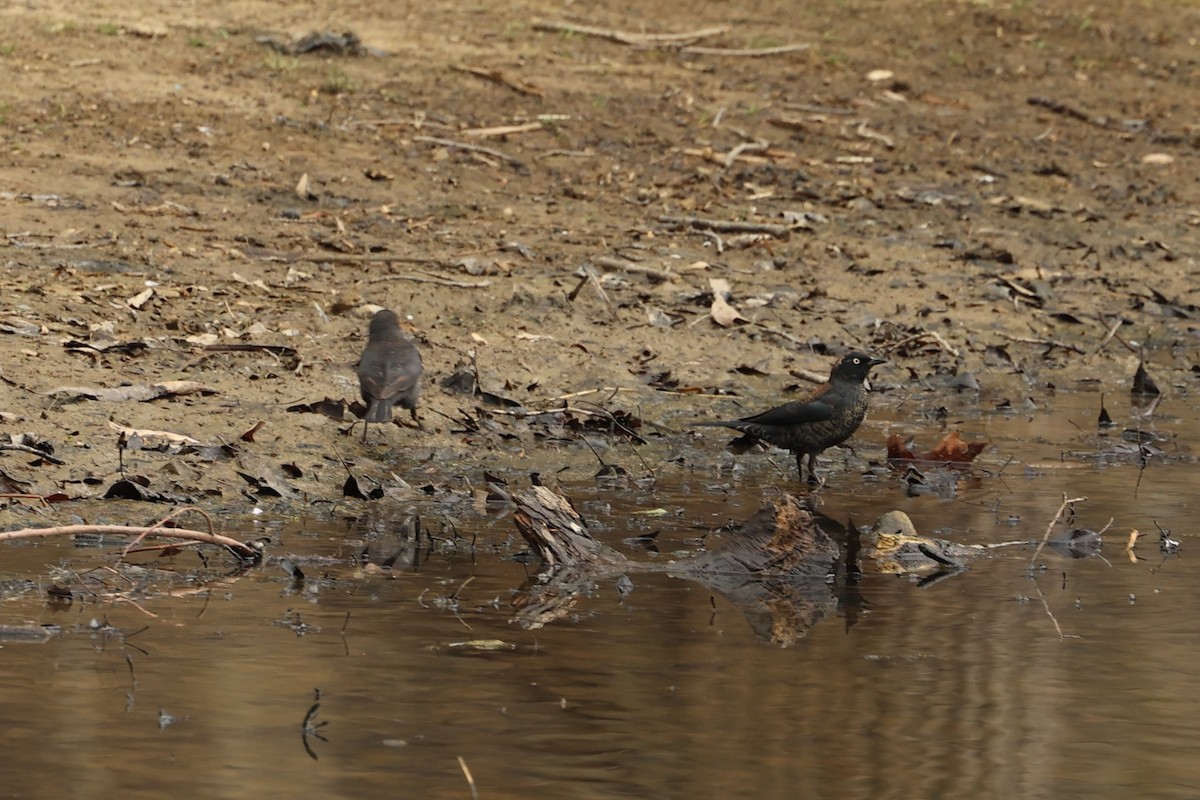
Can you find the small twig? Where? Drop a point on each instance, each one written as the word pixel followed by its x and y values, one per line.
pixel 726 226
pixel 502 130
pixel 156 526
pixel 1049 528
pixel 916 337
pixel 265 254
pixel 627 37
pixel 466 771
pixel 22 496
pixel 234 545
pixel 624 265
pixel 745 147
pixel 512 161
pixel 439 281
pixel 496 76
pixel 23 448
pixel 781 334
pixel 1043 342
pixel 612 390
pixel 1112 331
pixel 750 52
pixel 1049 612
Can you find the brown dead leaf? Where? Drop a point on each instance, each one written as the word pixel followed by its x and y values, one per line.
pixel 950 450
pixel 953 448
pixel 897 450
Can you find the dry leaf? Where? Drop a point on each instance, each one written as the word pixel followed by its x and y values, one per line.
pixel 950 450
pixel 140 299
pixel 302 190
pixel 151 436
pixel 722 313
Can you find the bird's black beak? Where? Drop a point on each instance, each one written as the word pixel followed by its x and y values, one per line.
pixel 874 362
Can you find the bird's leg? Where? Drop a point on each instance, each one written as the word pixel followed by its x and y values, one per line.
pixel 365 426
pixel 812 469
pixel 800 464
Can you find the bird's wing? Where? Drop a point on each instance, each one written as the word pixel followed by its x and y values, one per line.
pixel 794 413
pixel 384 377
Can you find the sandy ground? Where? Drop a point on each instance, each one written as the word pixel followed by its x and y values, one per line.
pixel 980 191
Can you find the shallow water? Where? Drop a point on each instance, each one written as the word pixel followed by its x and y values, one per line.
pixel 961 688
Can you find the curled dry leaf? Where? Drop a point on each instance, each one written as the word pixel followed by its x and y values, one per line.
pixel 722 313
pixel 950 450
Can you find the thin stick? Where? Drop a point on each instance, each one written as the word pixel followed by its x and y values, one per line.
pixel 264 254
pixel 627 37
pixel 164 521
pixel 438 281
pixel 180 533
pixel 1043 342
pixel 750 52
pixel 942 343
pixel 624 265
pixel 496 76
pixel 1111 333
pixel 462 764
pixel 24 448
pixel 513 162
pixel 1049 613
pixel 502 130
pixel 1066 502
pixel 726 226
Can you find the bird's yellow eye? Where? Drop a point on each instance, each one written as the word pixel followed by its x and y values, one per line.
pixel 858 361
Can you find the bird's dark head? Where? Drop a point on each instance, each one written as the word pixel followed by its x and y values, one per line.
pixel 384 325
pixel 854 367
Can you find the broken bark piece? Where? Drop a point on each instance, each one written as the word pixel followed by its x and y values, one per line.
pixel 776 568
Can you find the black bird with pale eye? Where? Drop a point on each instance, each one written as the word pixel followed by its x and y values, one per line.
pixel 828 416
pixel 389 371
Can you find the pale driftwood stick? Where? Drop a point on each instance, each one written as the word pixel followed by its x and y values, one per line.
pixel 627 37
pixel 512 161
pixel 502 130
pixel 744 53
pixel 129 530
pixel 586 392
pixel 438 281
pixel 24 448
pixel 727 226
pixel 613 262
pixel 757 147
pixel 709 154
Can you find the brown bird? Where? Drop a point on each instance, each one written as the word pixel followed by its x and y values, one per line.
pixel 389 371
pixel 827 416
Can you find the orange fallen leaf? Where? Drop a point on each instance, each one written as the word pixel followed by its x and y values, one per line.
pixel 897 451
pixel 950 450
pixel 953 448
